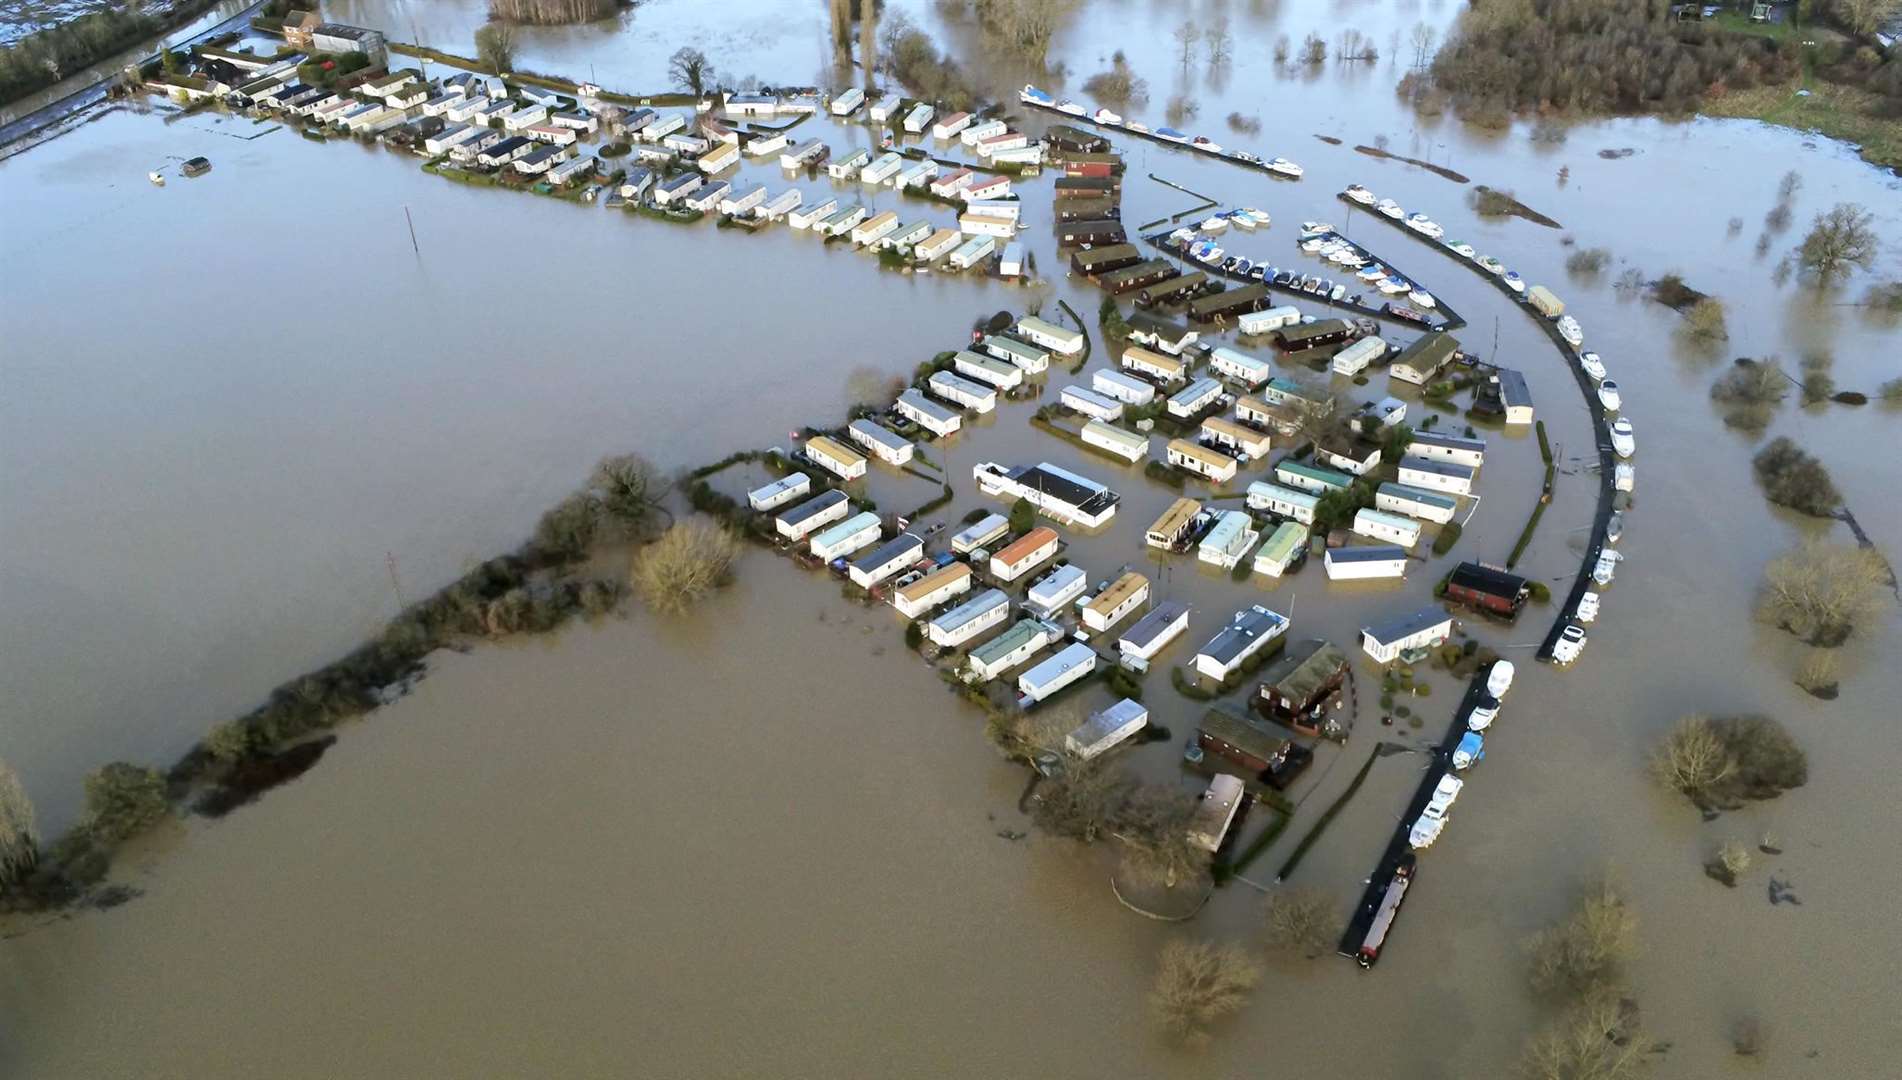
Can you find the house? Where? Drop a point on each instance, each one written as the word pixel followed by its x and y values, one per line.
pixel 1487 589
pixel 913 405
pixel 1354 359
pixel 717 158
pixel 675 188
pixel 936 245
pixel 1425 358
pixel 1164 369
pixel 1124 595
pixel 881 169
pixel 875 228
pixel 571 169
pixel 809 216
pixel 847 167
pixel 1247 634
pixel 1415 502
pixel 1230 539
pixel 1174 526
pixel 1046 335
pixel 1124 388
pixel 985 225
pixel 1353 458
pixel 1211 465
pixel 847 103
pixel 706 198
pixel 1091 233
pixel 741 200
pixel 1239 439
pixel 969 619
pixel 919 118
pixel 1514 396
pixel 880 442
pixel 1032 360
pixel 952 182
pixel 1434 446
pixel 1250 371
pixel 1057 589
pixel 539 160
pixel 1422 629
pixel 885 560
pixel 971 252
pixel 1127 445
pixel 1092 262
pixel 1442 476
pixel 1025 553
pixel 1154 631
pixel 506 151
pixel 981 533
pixel 1195 397
pixel 779 492
pixel 940 585
pixel 1359 563
pixel 1090 403
pixel 1307 477
pixel 853 534
pixel 1267 322
pixel 1286 502
pixel 1286 392
pixel 750 104
pixel 1022 640
pixel 1106 729
pixel 1165 334
pixel 1056 492
pixel 982 130
pixel 1215 811
pixel 1071 664
pixel 299 27
pixel 339 38
pixel 835 457
pixel 1284 548
pixel 802 155
pixel 1260 755
pixel 1296 690
pixel 970 395
pixel 1392 528
pixel 1092 163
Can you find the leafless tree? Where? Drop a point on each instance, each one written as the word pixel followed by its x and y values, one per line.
pixel 690 70
pixel 630 494
pixel 1081 798
pixel 550 12
pixel 688 562
pixel 1304 921
pixel 868 40
pixel 1282 48
pixel 1822 592
pixel 1693 759
pixel 1865 17
pixel 1314 50
pixel 495 47
pixel 1584 953
pixel 19 830
pixel 1025 26
pixel 1119 86
pixel 1153 824
pixel 1220 42
pixel 1187 34
pixel 1198 984
pixel 1354 45
pixel 1422 37
pixel 1840 241
pixel 1599 1039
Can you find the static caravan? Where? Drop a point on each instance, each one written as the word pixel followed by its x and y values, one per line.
pixel 981 533
pixel 848 102
pixel 874 229
pixel 1392 528
pixel 985 188
pixel 455 135
pixel 506 151
pixel 751 104
pixel 1286 544
pixel 962 392
pixel 1441 476
pixel 948 127
pixel 973 251
pixel 1313 478
pixel 1124 388
pixel 1165 334
pixel 1419 362
pixel 1194 398
pixel 465 110
pixel 843 222
pixel 1175 524
pixel 907 235
pixel 1127 445
pixel 780 205
pixel 1011 263
pixel 1280 418
pixel 1354 458
pixel 1488 589
pixel 471 149
pixel 1280 391
pixel 779 492
pixel 853 534
pixel 1352 563
pixel 982 130
pixel 1009 209
pixel 1283 501
pixel 1056 491
pixel 1166 369
pixel 524 117
pixel 676 188
pixel 919 118
pixel 1514 396
pixel 1545 302
pixel 1071 664
pixel 1267 322
pixel 1354 359
pixel 1057 589
pixel 1154 631
pixel 551 133
pixel 847 167
pixel 913 600
pixel 1092 233
pixel 885 560
pixel 1415 502
pixel 706 198
pixel 982 225
pixel 937 244
pixel 771 142
pixel 807 216
pixel 1024 639
pixel 1046 335
pixel 1107 729
pixel 1090 403
pixel 882 444
pixel 1025 553
pixel 1125 594
pixel 913 405
pixel 1229 540
pixel 952 182
pixel 1433 446
pixel 1250 371
pixel 1209 464
pixel 802 155
pixel 1094 261
pixel 570 169
pixel 686 142
pixel 915 175
pixel 739 202
pixel 835 457
pixel 1245 635
pixel 987 369
pixel 881 169
pixel 1216 810
pixel 1422 629
pixel 969 619
pixel 1032 360
pixel 885 107
pixel 1243 441
pixel 1003 140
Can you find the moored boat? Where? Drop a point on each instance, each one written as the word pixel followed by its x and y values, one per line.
pixel 1623 439
pixel 1286 168
pixel 1490 264
pixel 1359 194
pixel 1592 365
pixel 1382 924
pixel 1570 330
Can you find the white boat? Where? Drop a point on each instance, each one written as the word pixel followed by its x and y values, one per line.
pixel 1316 228
pixel 1587 607
pixel 1391 209
pixel 1592 365
pixel 1211 254
pixel 1482 718
pixel 1422 298
pixel 1623 439
pixel 1608 395
pixel 1345 256
pixel 1261 216
pixel 1445 793
pixel 1514 282
pixel 1213 225
pixel 1605 568
pixel 1425 831
pixel 1138 127
pixel 1499 679
pixel 1372 273
pixel 1201 142
pixel 1313 245
pixel 1394 286
pixel 1624 477
pixel 1106 117
pixel 1030 95
pixel 1571 331
pixel 1338 292
pixel 1285 167
pixel 1425 226
pixel 156 178
pixel 1243 155
pixel 1463 250
pixel 1359 194
pixel 1490 264
pixel 1570 644
pixel 1071 107
pixel 1614 527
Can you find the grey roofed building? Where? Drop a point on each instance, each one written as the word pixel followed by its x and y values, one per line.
pixel 1237 636
pixel 1407 625
pixel 901 546
pixel 812 507
pixel 1448 442
pixel 1153 624
pixel 1369 553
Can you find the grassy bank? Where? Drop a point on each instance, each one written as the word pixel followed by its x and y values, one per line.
pixel 1830 110
pixel 529 78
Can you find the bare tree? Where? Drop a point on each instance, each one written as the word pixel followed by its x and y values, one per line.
pixel 1081 798
pixel 1304 921
pixel 1025 26
pixel 19 830
pixel 629 492
pixel 689 68
pixel 1422 37
pixel 1354 45
pixel 1198 984
pixel 1841 240
pixel 1119 86
pixel 1585 953
pixel 495 47
pixel 1599 1039
pixel 1704 323
pixel 1153 824
pixel 1693 759
pixel 1314 50
pixel 1822 592
pixel 1221 43
pixel 1865 17
pixel 1186 35
pixel 868 40
pixel 687 563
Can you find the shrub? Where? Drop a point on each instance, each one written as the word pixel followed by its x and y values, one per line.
pixel 123 800
pixel 690 560
pixel 19 831
pixel 1729 862
pixel 1301 921
pixel 1584 953
pixel 1749 393
pixel 1023 516
pixel 1540 592
pixel 1586 261
pixel 1792 477
pixel 1197 984
pixel 1704 322
pixel 1449 535
pixel 1719 762
pixel 914 636
pixel 1119 86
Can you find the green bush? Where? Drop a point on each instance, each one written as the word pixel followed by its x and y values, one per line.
pixel 1541 594
pixel 914 636
pixel 1023 516
pixel 1123 684
pixel 124 799
pixel 1545 447
pixel 1449 535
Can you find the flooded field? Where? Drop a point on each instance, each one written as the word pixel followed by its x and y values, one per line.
pixel 658 838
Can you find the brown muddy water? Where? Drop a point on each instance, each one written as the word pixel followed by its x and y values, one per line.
pixel 765 840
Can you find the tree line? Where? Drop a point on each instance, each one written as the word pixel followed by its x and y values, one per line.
pixel 41 59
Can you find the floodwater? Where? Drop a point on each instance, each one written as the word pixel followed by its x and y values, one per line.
pixel 662 839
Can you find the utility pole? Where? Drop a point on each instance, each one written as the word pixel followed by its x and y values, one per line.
pixel 412 230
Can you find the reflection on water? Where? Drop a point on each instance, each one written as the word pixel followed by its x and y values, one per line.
pixel 201 492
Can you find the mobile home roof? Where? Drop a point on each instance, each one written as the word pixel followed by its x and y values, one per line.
pixel 1153 623
pixel 932 582
pixel 1282 545
pixel 1176 518
pixel 1418 495
pixel 1119 592
pixel 1026 545
pixel 812 507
